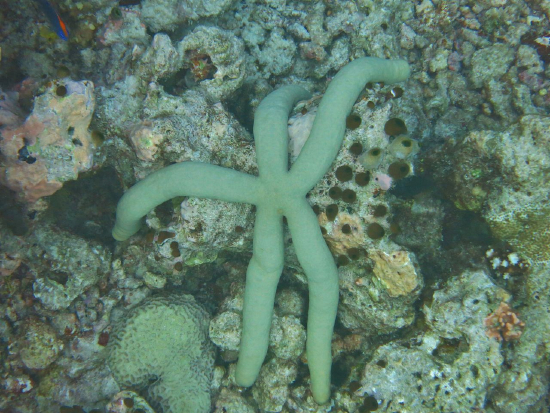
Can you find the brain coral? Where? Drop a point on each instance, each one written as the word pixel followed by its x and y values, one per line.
pixel 163 344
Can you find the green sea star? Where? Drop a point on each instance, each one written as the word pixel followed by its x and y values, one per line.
pixel 276 192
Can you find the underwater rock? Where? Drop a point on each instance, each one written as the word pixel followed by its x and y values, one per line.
pixel 39 345
pixel 128 401
pixel 518 213
pixel 225 330
pixel 231 400
pixel 53 145
pixel 367 307
pixel 451 367
pixel 167 15
pixel 396 272
pixel 216 60
pixel 68 265
pixel 271 388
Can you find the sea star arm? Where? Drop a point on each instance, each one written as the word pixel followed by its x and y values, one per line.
pixel 266 265
pixel 262 278
pixel 271 130
pixel 329 126
pixel 318 264
pixel 182 179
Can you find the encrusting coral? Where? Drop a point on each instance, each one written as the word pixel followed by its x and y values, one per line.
pixel 277 192
pixel 504 324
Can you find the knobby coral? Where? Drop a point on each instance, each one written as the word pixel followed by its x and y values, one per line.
pixel 504 324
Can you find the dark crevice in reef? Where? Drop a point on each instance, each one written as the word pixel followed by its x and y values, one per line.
pixel 444 245
pixel 86 207
pixel 239 106
pixel 13 214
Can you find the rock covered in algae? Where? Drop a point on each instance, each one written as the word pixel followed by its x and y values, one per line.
pixel 519 212
pixel 66 266
pixel 39 346
pixel 53 145
pixel 396 272
pixel 216 60
pixel 452 366
pixel 167 15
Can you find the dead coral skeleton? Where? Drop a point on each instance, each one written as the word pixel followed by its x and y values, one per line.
pixel 504 324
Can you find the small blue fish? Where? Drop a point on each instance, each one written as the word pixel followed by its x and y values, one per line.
pixel 59 26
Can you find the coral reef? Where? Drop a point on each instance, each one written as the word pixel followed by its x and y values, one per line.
pixel 448 172
pixel 523 386
pixel 443 368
